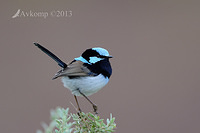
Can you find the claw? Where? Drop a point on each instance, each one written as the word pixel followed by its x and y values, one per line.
pixel 95 108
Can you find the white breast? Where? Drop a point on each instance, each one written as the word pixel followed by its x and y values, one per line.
pixel 87 85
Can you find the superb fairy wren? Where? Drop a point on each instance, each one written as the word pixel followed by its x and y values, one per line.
pixel 86 74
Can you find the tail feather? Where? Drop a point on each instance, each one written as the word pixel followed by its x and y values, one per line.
pixel 54 57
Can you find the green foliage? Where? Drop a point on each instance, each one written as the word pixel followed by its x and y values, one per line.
pixel 89 123
pixel 82 123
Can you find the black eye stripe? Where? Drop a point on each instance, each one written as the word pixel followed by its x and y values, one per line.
pixel 101 56
pixel 90 53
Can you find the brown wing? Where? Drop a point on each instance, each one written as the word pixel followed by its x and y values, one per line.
pixel 75 68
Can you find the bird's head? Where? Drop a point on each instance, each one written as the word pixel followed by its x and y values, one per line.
pixel 94 55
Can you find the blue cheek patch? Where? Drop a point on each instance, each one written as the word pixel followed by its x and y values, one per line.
pixel 94 59
pixel 82 59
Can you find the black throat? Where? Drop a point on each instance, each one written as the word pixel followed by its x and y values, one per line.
pixel 101 67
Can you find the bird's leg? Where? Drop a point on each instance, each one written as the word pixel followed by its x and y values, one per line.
pixel 94 106
pixel 77 103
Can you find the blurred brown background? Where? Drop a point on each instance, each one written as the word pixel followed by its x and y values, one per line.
pixel 155 86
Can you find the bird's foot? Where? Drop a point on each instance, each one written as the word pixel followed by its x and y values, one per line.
pixel 95 108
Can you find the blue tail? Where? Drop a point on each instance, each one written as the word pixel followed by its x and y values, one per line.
pixel 54 57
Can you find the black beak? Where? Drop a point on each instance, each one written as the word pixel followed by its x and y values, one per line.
pixel 109 56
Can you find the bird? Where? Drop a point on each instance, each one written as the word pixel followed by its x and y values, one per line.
pixel 84 75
